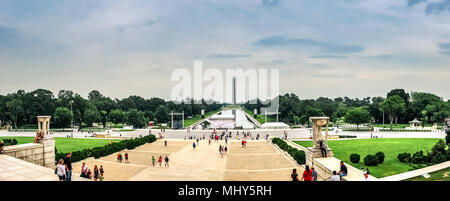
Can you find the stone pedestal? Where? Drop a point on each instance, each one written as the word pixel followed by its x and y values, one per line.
pixel 313 153
pixel 49 152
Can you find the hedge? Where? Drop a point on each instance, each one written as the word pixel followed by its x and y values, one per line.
pixel 108 149
pixel 9 142
pixel 298 155
pixel 380 157
pixel 439 154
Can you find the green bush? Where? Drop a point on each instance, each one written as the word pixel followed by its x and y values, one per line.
pixel 9 142
pixel 298 155
pixel 108 149
pixel 404 157
pixel 418 158
pixel 370 160
pixel 355 158
pixel 380 157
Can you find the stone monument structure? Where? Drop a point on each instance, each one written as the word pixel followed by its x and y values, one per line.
pixel 315 152
pixel 48 142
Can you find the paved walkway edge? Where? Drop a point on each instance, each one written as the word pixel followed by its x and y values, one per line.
pixel 415 173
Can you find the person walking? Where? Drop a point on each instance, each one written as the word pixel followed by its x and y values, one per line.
pixel 313 174
pixel 167 162
pixel 294 175
pixel 165 142
pixel 61 170
pixel 193 145
pixel 96 173
pixel 118 157
pixel 307 174
pixel 226 149
pixel 68 166
pixel 153 161
pixel 126 157
pixel 209 141
pixel 84 169
pixel 160 161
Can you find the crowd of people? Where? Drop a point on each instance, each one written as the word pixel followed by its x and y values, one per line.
pixel 311 174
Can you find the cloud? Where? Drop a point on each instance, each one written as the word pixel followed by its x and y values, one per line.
pixel 382 57
pixel 270 3
pixel 444 48
pixel 149 22
pixel 335 76
pixel 438 7
pixel 228 56
pixel 300 42
pixel 327 56
pixel 414 2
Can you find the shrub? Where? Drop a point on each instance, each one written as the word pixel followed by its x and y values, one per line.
pixel 418 158
pixel 380 157
pixel 438 158
pixel 404 157
pixel 298 155
pixel 354 158
pixel 9 142
pixel 108 149
pixel 370 160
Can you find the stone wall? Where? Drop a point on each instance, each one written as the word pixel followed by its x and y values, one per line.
pixel 42 154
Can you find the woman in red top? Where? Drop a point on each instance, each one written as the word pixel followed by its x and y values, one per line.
pixel 307 174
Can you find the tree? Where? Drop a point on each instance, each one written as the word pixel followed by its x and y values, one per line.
pixel 91 114
pixel 117 116
pixel 63 117
pixel 93 95
pixel 311 112
pixel 103 117
pixel 14 110
pixel 162 114
pixel 392 106
pixel 357 116
pixel 136 118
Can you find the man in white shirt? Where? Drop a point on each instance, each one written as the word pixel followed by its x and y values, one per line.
pixel 335 177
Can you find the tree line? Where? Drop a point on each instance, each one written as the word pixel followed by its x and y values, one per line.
pixel 397 107
pixel 67 107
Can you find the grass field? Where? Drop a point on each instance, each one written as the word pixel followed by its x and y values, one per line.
pixel 441 175
pixel 390 146
pixel 260 117
pixel 65 145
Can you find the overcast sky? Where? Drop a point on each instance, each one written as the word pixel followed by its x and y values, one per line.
pixel 354 48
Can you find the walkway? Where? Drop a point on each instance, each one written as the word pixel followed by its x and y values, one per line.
pixel 416 173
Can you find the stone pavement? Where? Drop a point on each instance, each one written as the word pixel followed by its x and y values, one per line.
pixel 259 161
pixel 418 172
pixel 13 169
pixel 353 174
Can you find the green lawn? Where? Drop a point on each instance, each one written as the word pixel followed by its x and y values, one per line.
pixel 65 145
pixel 390 146
pixel 260 117
pixel 441 175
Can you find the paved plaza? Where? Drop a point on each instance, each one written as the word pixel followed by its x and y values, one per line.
pixel 259 161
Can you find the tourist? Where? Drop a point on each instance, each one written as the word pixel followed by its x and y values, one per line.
pixel 165 142
pixel 89 174
pixel 193 145
pixel 118 157
pixel 209 141
pixel 306 174
pixel 61 170
pixel 101 178
pixel 221 150
pixel 335 177
pixel 366 177
pixel 167 161
pixel 126 157
pixel 294 175
pixel 313 174
pixel 68 164
pixel 323 149
pixel 2 146
pixel 242 143
pixel 226 150
pixel 160 161
pixel 367 170
pixel 343 171
pixel 84 169
pixel 101 170
pixel 153 161
pixel 96 173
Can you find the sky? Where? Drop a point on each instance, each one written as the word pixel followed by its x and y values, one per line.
pixel 322 48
